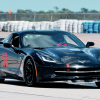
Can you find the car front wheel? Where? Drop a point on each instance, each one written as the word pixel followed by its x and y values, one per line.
pixel 29 73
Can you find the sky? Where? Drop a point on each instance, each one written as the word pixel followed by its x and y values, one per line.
pixel 45 5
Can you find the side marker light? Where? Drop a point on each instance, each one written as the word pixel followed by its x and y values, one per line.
pixel 36 70
pixel 67 65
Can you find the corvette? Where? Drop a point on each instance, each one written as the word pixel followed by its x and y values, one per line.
pixel 51 55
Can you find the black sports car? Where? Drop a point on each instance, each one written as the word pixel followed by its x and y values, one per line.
pixel 35 56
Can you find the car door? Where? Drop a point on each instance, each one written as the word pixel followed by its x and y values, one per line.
pixel 10 60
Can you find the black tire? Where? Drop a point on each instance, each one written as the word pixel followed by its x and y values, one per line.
pixel 29 73
pixel 98 84
pixel 2 80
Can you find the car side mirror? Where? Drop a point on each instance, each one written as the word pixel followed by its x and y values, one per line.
pixel 7 45
pixel 89 44
pixel 1 42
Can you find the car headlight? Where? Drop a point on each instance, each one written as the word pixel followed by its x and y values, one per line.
pixel 46 58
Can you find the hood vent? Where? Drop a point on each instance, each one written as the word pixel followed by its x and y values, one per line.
pixel 70 60
pixel 75 60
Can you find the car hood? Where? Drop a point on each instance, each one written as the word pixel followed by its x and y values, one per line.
pixel 73 55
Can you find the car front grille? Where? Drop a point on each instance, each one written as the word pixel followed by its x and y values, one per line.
pixel 78 72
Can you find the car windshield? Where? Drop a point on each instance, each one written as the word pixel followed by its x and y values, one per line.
pixel 43 40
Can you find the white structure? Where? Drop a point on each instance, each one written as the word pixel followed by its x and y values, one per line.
pixel 71 25
pixel 25 25
pixel 61 24
pixel 30 25
pixel 2 25
pixel 74 26
pixel 20 25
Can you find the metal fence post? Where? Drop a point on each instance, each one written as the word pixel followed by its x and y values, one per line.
pixel 34 17
pixel 15 16
pixel 66 15
pixel 51 16
pixel 84 16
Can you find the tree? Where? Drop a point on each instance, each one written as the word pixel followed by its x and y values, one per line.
pixel 93 11
pixel 56 8
pixel 85 10
pixel 21 11
pixel 24 11
pixel 42 12
pixel 1 12
pixel 50 11
pixel 65 10
pixel 28 11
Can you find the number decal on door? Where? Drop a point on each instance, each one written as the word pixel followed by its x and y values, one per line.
pixel 4 58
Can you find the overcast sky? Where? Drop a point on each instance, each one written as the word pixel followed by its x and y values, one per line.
pixel 45 5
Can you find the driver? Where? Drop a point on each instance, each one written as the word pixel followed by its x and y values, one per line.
pixel 61 41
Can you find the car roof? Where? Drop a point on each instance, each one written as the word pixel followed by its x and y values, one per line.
pixel 40 31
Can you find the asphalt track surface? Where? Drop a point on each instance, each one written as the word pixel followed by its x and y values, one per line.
pixel 17 90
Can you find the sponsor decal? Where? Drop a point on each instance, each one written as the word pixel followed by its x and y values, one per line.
pixel 4 58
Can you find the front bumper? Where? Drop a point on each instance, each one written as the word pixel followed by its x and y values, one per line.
pixel 72 73
pixel 58 78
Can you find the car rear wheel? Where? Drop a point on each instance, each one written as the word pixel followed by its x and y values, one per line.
pixel 29 73
pixel 2 80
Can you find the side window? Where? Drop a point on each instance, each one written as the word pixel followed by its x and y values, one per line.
pixel 7 39
pixel 15 40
